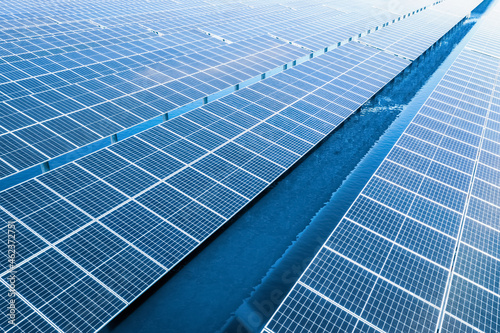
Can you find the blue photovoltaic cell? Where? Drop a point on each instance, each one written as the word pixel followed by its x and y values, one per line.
pixel 166 245
pixel 294 317
pixel 102 163
pixel 475 234
pixel 479 268
pixel 92 246
pixel 427 242
pixel 56 220
pixel 392 309
pixel 436 216
pixel 118 273
pixel 67 179
pixel 27 244
pixel 96 198
pixel 215 167
pixel 400 176
pixel 196 220
pixel 332 276
pixel 25 316
pixel 374 216
pixel 57 289
pixel 388 194
pixel 26 198
pixel 159 164
pixel 415 274
pixel 191 182
pixel 360 245
pixel 132 149
pixel 474 305
pixel 451 324
pixel 131 180
pixel 154 199
pixel 363 327
pixel 185 151
pixel 244 183
pixel 222 200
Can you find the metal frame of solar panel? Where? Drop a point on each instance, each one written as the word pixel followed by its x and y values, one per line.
pixel 418 249
pixel 137 208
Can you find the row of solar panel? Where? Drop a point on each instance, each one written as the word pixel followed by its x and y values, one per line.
pixel 484 41
pixel 56 71
pixel 387 264
pixel 19 71
pixel 46 126
pixel 72 65
pixel 78 61
pixel 310 20
pixel 219 10
pixel 176 17
pixel 180 17
pixel 74 115
pixel 12 51
pixel 269 21
pixel 50 28
pixel 195 171
pixel 474 296
pixel 345 26
pixel 105 52
pixel 29 14
pixel 407 40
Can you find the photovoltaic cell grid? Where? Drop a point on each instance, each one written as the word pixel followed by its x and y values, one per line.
pixel 64 86
pixel 152 198
pixel 436 196
pixel 264 17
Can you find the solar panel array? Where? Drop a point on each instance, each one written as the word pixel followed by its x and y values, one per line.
pixel 95 233
pixel 154 197
pixel 72 75
pixel 418 249
pixel 68 102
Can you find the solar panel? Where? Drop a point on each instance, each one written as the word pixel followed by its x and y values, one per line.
pixel 418 249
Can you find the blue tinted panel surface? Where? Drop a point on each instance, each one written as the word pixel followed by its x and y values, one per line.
pixel 403 230
pixel 154 197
